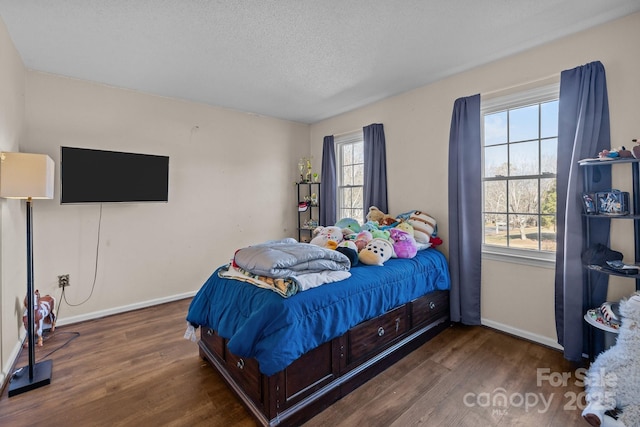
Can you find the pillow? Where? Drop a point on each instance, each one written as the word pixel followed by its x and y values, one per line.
pixel 423 226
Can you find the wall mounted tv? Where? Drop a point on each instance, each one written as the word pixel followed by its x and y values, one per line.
pixel 99 176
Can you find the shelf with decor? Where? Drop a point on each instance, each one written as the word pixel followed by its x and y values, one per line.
pixel 598 206
pixel 308 209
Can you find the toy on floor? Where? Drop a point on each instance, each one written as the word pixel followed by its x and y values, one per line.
pixel 613 380
pixel 42 315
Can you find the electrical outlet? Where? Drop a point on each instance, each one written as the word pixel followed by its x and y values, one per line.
pixel 63 281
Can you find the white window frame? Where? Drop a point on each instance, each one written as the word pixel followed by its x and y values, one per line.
pixel 500 102
pixel 345 139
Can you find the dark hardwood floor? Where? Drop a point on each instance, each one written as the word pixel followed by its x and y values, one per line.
pixel 136 369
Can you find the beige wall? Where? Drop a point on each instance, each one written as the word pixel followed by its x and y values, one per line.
pixel 230 185
pixel 12 212
pixel 515 297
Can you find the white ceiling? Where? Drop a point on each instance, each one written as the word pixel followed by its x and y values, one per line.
pixel 301 60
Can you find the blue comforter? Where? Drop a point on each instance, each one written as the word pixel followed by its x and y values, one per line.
pixel 276 331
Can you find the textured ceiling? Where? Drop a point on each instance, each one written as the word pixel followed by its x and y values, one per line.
pixel 301 60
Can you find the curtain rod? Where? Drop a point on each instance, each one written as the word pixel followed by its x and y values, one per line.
pixel 551 78
pixel 346 133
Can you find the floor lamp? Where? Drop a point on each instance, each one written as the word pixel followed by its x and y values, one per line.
pixel 28 176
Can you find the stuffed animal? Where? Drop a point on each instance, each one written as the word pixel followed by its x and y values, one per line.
pixel 613 380
pixel 349 223
pixel 377 252
pixel 404 246
pixel 406 227
pixel 350 228
pixel 323 235
pixel 375 214
pixel 349 249
pixel 424 226
pixel 388 221
pixel 362 239
pixel 379 217
pixel 380 234
pixel 370 226
pixel 42 315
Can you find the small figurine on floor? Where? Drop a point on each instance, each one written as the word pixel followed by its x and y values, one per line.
pixel 613 380
pixel 42 314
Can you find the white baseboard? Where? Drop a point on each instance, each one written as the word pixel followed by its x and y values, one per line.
pixel 522 334
pixel 122 309
pixel 8 366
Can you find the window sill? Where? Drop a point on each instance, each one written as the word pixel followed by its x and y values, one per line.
pixel 520 256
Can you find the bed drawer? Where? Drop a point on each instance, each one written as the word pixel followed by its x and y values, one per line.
pixel 368 337
pixel 214 342
pixel 430 307
pixel 244 371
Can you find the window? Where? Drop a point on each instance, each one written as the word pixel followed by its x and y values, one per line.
pixel 350 176
pixel 520 140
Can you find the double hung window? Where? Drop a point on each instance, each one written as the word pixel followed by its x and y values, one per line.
pixel 350 176
pixel 520 140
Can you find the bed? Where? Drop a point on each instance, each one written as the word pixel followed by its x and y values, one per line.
pixel 287 359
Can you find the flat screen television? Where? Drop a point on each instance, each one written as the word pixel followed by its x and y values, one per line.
pixel 99 176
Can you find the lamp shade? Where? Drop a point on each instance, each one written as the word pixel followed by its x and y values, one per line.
pixel 24 176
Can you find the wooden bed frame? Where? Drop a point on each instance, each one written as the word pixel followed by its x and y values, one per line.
pixel 322 376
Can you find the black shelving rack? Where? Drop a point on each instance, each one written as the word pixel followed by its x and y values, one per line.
pixel 305 191
pixel 634 216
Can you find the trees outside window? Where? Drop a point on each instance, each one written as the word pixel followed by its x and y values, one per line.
pixel 520 138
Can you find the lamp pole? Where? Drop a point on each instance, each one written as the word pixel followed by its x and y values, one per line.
pixel 30 313
pixel 39 373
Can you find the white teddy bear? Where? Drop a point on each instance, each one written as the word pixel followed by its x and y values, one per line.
pixel 613 380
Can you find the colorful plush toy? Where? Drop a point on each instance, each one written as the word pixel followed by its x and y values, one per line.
pixel 362 239
pixel 424 226
pixel 377 252
pixel 380 234
pixel 370 226
pixel 324 235
pixel 349 223
pixel 350 228
pixel 406 227
pixel 404 246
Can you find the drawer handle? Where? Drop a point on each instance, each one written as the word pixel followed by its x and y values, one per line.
pixel 380 331
pixel 397 325
pixel 240 364
pixel 209 332
pixel 432 305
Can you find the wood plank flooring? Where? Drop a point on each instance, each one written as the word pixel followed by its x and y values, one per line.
pixel 136 369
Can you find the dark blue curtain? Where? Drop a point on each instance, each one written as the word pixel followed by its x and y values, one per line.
pixel 375 168
pixel 465 210
pixel 583 131
pixel 328 185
